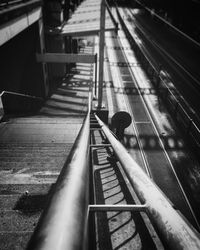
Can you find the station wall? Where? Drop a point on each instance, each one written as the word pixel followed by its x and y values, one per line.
pixel 20 72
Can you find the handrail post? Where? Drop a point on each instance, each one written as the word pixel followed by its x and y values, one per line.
pixel 101 52
pixel 95 81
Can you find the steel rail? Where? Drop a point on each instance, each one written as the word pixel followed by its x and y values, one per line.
pixel 175 231
pixel 63 224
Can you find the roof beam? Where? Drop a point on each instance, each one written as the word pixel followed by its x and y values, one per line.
pixel 85 32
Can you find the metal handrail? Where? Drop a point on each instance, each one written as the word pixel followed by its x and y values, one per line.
pixel 63 224
pixel 173 228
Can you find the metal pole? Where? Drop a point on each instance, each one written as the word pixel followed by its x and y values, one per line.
pixel 45 86
pixel 95 83
pixel 101 52
pixel 125 207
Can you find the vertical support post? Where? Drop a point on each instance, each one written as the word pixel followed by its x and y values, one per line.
pixel 42 50
pixel 101 52
pixel 95 83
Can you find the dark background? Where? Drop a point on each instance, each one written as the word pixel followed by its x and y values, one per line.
pixel 183 14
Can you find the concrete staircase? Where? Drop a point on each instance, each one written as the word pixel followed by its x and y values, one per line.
pixel 32 153
pixel 28 171
pixel 33 150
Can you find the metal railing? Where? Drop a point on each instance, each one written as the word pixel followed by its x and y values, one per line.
pixel 63 224
pixel 175 231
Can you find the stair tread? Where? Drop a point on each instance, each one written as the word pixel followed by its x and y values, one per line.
pixel 14 240
pixel 22 220
pixel 30 159
pixel 10 189
pixel 33 165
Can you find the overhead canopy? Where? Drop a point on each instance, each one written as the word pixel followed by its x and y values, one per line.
pixel 86 20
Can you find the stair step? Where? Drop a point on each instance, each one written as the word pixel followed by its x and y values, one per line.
pixel 28 177
pixel 52 148
pixel 32 146
pixel 37 119
pixel 14 240
pixel 14 166
pixel 39 133
pixel 26 201
pixel 25 152
pixel 22 220
pixel 20 148
pixel 32 159
pixel 8 202
pixel 10 189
